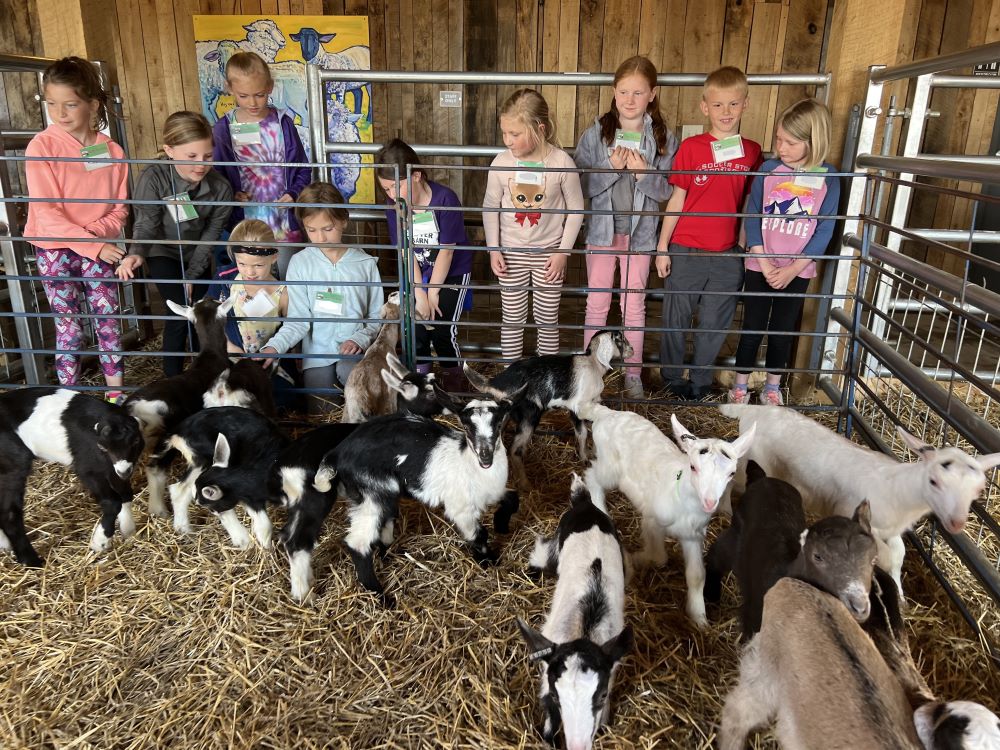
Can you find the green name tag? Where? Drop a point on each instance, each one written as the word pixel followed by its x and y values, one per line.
pixel 530 178
pixel 245 133
pixel 727 149
pixel 425 228
pixel 814 177
pixel 329 302
pixel 181 208
pixel 625 139
pixel 97 151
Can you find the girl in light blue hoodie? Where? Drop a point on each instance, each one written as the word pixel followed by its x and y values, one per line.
pixel 335 307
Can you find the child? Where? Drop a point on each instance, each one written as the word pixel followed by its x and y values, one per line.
pixel 724 158
pixel 250 279
pixel 187 136
pixel 794 190
pixel 630 137
pixel 436 261
pixel 528 243
pixel 256 132
pixel 337 333
pixel 77 107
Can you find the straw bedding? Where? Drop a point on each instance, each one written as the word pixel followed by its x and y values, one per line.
pixel 187 642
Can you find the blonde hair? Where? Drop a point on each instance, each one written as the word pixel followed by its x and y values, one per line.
pixel 808 121
pixel 530 108
pixel 256 234
pixel 186 127
pixel 321 192
pixel 726 77
pixel 248 64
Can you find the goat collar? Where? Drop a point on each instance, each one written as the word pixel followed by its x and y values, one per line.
pixel 540 654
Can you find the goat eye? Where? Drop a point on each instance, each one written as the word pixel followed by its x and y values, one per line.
pixel 817 557
pixel 946 464
pixel 933 482
pixel 703 451
pixel 732 474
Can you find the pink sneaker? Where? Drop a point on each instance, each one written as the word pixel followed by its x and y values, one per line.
pixel 738 396
pixel 771 397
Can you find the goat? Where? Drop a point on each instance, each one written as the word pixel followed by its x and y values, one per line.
pixel 465 472
pixel 294 473
pixel 675 491
pixel 812 668
pixel 768 540
pixel 229 452
pixel 835 475
pixel 100 441
pixel 584 636
pixel 244 383
pixel 552 381
pixel 366 395
pixel 952 725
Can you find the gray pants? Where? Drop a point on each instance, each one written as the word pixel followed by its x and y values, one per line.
pixel 322 377
pixel 722 273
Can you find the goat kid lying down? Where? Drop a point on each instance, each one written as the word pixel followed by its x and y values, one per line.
pixel 834 475
pixel 584 637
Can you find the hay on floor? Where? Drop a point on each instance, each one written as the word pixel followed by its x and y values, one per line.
pixel 188 643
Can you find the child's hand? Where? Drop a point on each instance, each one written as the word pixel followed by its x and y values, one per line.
pixel 110 253
pixel 286 198
pixel 433 297
pixel 782 277
pixel 497 263
pixel 555 268
pixel 266 362
pixel 422 305
pixel 350 347
pixel 128 267
pixel 662 265
pixel 635 160
pixel 242 197
pixel 618 157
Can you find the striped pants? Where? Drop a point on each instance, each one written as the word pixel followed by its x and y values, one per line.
pixel 524 270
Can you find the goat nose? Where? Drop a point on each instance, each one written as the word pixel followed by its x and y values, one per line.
pixel 956 525
pixel 860 608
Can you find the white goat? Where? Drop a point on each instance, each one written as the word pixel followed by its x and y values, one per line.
pixel 814 670
pixel 834 475
pixel 584 637
pixel 675 491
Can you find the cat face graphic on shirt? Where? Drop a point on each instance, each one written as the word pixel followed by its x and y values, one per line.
pixel 527 199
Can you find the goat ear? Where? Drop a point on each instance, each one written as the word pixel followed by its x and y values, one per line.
pixel 183 310
pixel 988 461
pixel 481 384
pixel 395 366
pixel 220 457
pixel 742 444
pixel 863 515
pixel 404 388
pixel 605 351
pixel 539 646
pixel 224 307
pixel 681 433
pixel 918 446
pixel 616 648
pixel 803 536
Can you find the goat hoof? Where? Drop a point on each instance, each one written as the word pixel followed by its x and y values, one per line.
pixel 487 558
pixel 535 574
pixel 31 560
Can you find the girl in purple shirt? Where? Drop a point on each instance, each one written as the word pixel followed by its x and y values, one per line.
pixel 441 260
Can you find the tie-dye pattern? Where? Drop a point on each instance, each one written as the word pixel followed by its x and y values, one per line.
pixel 66 297
pixel 266 184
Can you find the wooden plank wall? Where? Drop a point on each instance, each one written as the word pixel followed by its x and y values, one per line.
pixel 19 35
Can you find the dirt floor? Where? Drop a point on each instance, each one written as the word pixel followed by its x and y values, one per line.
pixel 189 643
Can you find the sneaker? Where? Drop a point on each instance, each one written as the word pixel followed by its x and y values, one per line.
pixel 115 397
pixel 771 397
pixel 633 387
pixel 738 396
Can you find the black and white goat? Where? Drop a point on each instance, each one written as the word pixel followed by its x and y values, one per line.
pixel 161 405
pixel 464 472
pixel 294 473
pixel 100 441
pixel 584 637
pixel 244 383
pixel 229 453
pixel 553 381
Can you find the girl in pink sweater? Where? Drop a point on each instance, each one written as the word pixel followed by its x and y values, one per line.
pixel 77 107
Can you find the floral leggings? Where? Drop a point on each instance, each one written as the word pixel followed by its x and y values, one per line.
pixel 66 297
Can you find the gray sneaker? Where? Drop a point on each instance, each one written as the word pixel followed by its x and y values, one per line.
pixel 633 387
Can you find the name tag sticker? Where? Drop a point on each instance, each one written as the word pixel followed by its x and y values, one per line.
pixel 727 149
pixel 530 178
pixel 245 133
pixel 259 306
pixel 97 151
pixel 181 209
pixel 425 228
pixel 811 178
pixel 331 303
pixel 625 139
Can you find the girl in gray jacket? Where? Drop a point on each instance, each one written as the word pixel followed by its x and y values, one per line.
pixel 630 138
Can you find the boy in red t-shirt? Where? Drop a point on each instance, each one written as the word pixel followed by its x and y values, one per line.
pixel 703 271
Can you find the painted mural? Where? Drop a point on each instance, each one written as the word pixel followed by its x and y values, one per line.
pixel 287 44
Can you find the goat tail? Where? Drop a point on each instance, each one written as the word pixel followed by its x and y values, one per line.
pixel 326 475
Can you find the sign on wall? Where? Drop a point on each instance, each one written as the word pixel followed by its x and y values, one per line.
pixel 287 44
